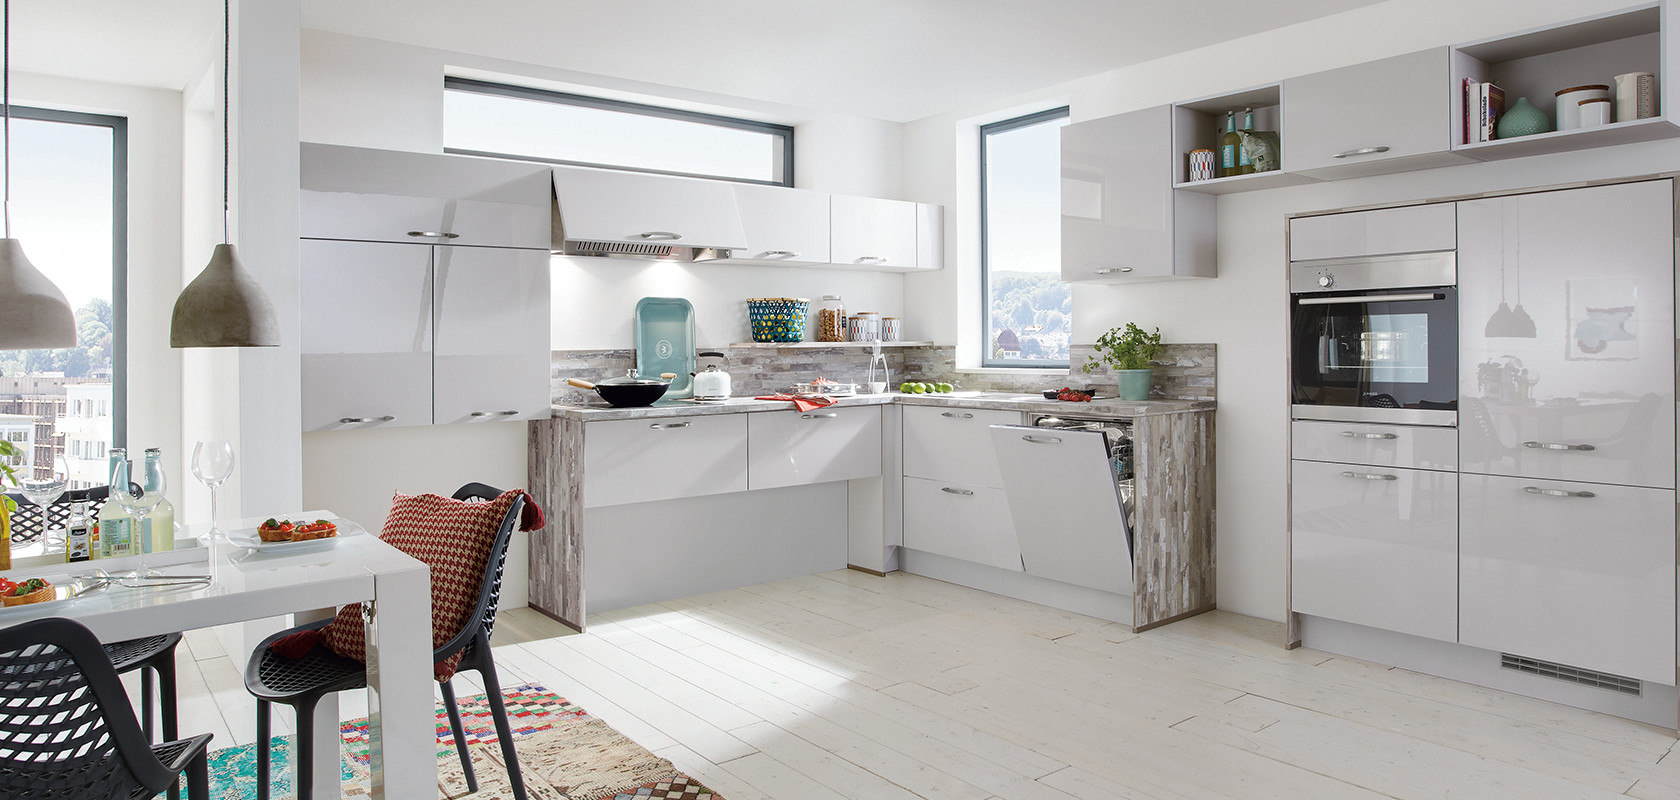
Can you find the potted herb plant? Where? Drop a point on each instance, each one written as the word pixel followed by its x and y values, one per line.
pixel 1128 352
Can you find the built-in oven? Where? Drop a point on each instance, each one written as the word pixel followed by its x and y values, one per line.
pixel 1375 339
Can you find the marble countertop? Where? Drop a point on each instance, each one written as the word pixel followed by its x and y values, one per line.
pixel 1003 401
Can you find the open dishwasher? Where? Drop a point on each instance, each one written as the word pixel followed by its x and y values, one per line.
pixel 1070 485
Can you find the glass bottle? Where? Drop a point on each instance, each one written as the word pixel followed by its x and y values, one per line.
pixel 116 525
pixel 78 535
pixel 1244 165
pixel 1230 144
pixel 158 529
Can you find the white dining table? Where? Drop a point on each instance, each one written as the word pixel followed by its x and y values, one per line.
pixel 308 583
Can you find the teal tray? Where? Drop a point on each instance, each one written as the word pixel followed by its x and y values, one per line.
pixel 665 342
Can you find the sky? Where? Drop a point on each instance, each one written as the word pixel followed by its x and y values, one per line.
pixel 61 204
pixel 1023 198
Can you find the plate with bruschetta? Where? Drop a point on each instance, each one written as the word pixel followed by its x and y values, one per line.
pixel 284 535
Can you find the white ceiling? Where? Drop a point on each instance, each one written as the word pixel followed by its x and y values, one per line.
pixel 892 59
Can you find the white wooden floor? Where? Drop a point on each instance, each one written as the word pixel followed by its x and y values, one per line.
pixel 848 685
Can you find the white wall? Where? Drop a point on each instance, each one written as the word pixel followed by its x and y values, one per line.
pixel 154 243
pixel 1244 309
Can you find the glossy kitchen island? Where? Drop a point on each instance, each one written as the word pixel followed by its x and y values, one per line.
pixel 681 498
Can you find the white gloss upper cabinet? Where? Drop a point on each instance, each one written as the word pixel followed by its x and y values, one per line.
pixel 1375 546
pixel 1121 218
pixel 872 232
pixel 365 334
pixel 491 356
pixel 1379 116
pixel 792 448
pixel 784 226
pixel 1586 393
pixel 1576 573
pixel 601 205
pixel 1384 231
pixel 930 236
pixel 359 194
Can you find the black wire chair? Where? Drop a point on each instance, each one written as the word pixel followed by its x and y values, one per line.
pixel 66 729
pixel 154 656
pixel 301 683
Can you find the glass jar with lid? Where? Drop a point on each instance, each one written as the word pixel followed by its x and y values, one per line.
pixel 831 319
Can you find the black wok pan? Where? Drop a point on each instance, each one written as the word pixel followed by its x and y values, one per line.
pixel 630 390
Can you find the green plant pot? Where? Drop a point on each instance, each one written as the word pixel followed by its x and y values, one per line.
pixel 1134 383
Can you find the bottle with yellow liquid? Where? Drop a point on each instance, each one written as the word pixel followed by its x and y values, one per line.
pixel 5 536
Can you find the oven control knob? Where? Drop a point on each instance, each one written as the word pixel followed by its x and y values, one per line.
pixel 1326 281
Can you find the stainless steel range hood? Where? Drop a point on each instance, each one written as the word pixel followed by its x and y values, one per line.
pixel 607 213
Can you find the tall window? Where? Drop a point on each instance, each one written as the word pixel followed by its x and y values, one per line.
pixel 69 208
pixel 1029 309
pixel 491 119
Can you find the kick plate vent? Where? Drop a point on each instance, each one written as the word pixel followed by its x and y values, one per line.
pixel 1564 672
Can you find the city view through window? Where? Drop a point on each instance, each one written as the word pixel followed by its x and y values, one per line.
pixel 1029 309
pixel 57 406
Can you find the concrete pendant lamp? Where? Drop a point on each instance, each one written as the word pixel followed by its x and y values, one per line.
pixel 33 312
pixel 224 306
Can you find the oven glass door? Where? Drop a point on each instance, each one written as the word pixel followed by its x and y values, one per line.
pixel 1377 350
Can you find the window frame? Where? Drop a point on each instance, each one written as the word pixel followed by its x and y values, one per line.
pixel 985 131
pixel 119 249
pixel 784 132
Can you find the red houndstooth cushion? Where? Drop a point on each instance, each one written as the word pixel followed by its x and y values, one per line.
pixel 453 538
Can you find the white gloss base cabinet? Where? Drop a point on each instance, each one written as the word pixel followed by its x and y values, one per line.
pixel 1376 546
pixel 791 448
pixel 1595 269
pixel 952 444
pixel 642 460
pixel 366 334
pixel 1550 573
pixel 1411 446
pixel 490 351
pixel 965 522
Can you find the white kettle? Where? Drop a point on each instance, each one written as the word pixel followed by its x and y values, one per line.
pixel 711 383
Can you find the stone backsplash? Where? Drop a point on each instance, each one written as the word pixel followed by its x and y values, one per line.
pixel 1182 372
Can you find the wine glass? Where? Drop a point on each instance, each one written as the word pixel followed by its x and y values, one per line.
pixel 212 464
pixel 41 492
pixel 138 492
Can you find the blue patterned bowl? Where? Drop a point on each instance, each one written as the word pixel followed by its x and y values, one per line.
pixel 778 319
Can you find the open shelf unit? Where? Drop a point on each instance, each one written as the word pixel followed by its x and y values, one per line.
pixel 1199 124
pixel 1537 63
pixel 813 345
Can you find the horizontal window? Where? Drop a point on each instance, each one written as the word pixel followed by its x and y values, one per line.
pixel 514 122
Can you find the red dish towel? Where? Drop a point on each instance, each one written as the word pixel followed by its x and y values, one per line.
pixel 801 402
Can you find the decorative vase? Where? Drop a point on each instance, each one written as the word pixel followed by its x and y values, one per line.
pixel 1522 119
pixel 1134 383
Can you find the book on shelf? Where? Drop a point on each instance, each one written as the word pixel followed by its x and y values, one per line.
pixel 1483 103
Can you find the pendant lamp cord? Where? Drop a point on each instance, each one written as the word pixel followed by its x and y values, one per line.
pixel 227 47
pixel 6 103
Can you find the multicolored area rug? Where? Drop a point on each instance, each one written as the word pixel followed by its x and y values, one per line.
pixel 564 754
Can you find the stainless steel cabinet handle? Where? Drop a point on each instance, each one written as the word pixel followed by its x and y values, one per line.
pixel 1556 492
pixel 494 413
pixel 1368 298
pixel 663 236
pixel 957 415
pixel 1041 439
pixel 783 253
pixel 1558 446
pixel 663 426
pixel 1370 476
pixel 356 420
pixel 963 492
pixel 1112 270
pixel 871 258
pixel 434 235
pixel 1361 151
pixel 829 415
pixel 1359 435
